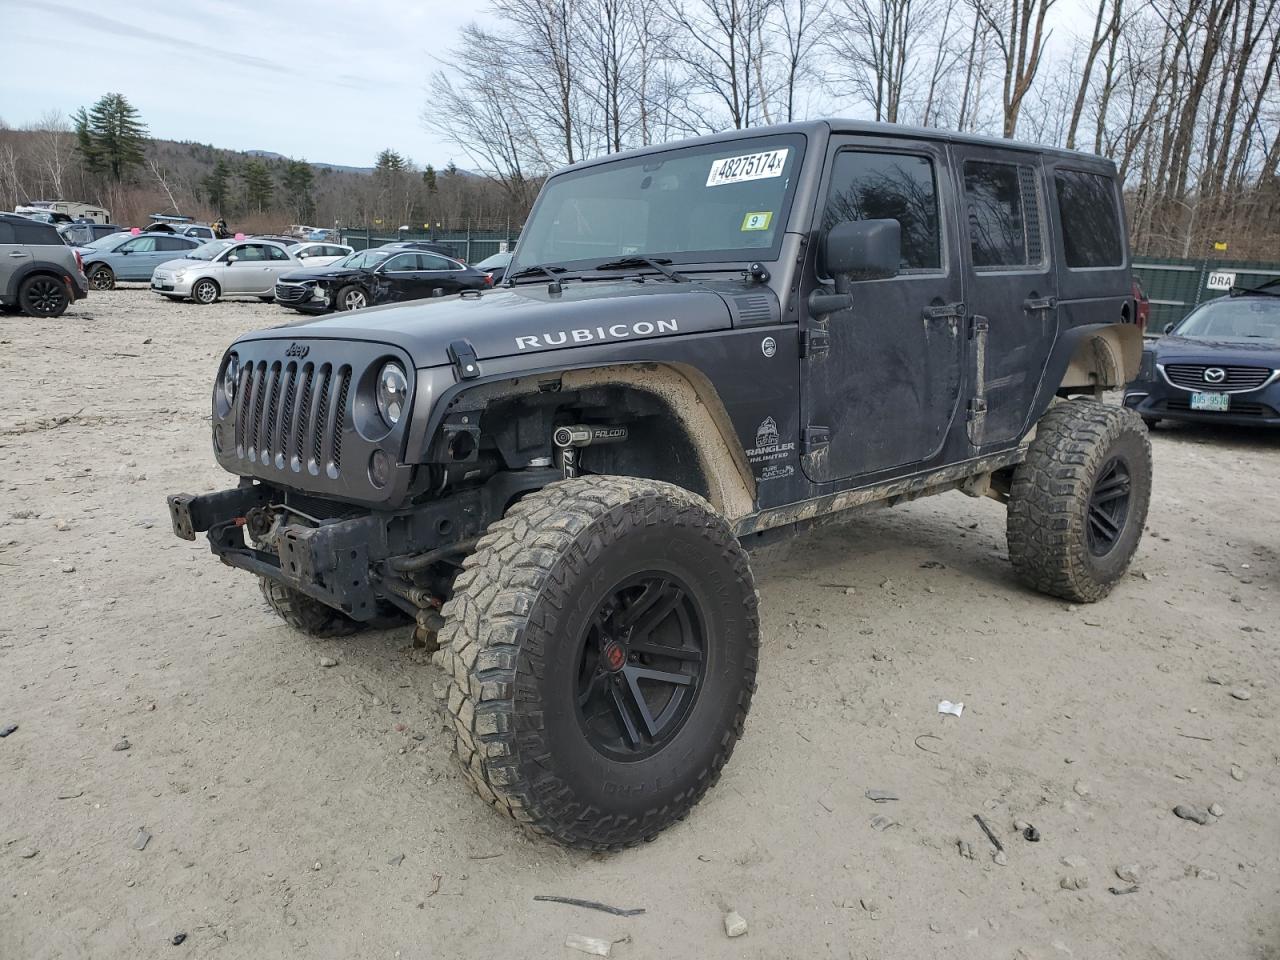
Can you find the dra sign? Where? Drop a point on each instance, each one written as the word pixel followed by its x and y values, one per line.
pixel 1220 280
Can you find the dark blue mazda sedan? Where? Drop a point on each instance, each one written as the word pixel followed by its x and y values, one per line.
pixel 1221 364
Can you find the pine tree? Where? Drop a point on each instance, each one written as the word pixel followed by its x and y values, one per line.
pixel 258 185
pixel 217 185
pixel 298 178
pixel 429 178
pixel 110 136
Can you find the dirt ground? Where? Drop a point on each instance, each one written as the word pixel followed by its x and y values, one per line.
pixel 298 811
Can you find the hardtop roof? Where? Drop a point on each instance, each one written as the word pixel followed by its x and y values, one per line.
pixel 827 126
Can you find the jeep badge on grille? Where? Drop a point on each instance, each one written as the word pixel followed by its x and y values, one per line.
pixel 297 350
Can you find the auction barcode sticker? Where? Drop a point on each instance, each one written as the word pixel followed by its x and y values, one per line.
pixel 753 166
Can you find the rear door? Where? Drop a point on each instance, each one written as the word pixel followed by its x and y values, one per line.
pixel 13 257
pixel 881 379
pixel 1011 287
pixel 441 273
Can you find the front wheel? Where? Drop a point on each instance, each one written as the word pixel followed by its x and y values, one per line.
pixel 351 298
pixel 205 292
pixel 602 645
pixel 1078 503
pixel 102 277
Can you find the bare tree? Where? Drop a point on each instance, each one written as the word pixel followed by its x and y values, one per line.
pixel 872 51
pixel 1106 25
pixel 1017 27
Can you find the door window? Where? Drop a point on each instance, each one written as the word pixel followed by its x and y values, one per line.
pixel 869 185
pixel 1090 219
pixel 433 261
pixel 172 243
pixel 140 245
pixel 276 253
pixel 404 263
pixel 1004 215
pixel 249 252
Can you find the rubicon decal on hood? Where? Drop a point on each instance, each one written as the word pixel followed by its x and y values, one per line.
pixel 615 331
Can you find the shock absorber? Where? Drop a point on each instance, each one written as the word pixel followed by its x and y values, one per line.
pixel 569 439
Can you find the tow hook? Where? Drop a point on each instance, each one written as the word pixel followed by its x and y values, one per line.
pixel 568 439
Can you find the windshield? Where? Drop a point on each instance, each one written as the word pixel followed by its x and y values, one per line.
pixel 207 251
pixel 1234 318
pixel 109 242
pixel 497 260
pixel 363 259
pixel 708 203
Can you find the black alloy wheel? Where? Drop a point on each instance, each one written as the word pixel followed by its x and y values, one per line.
pixel 1108 506
pixel 43 296
pixel 641 666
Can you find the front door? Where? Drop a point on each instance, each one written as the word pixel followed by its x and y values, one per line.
pixel 881 378
pixel 249 273
pixel 1011 287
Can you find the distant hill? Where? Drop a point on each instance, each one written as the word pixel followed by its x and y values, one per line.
pixel 343 168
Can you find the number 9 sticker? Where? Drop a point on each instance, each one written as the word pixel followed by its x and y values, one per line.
pixel 758 220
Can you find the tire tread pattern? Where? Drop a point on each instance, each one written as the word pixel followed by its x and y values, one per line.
pixel 1049 497
pixel 506 597
pixel 305 614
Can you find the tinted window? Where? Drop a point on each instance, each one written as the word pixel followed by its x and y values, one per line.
pixel 1004 216
pixel 433 261
pixel 889 186
pixel 172 243
pixel 6 232
pixel 1090 220
pixel 36 233
pixel 401 263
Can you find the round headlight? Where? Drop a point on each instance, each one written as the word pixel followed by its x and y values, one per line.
pixel 393 387
pixel 230 378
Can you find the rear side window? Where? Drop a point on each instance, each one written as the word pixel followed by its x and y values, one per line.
pixel 433 261
pixel 36 234
pixel 1004 215
pixel 889 186
pixel 1090 219
pixel 171 243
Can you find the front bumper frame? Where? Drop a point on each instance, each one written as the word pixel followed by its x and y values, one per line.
pixel 330 562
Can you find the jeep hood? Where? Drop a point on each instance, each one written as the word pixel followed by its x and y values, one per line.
pixel 527 319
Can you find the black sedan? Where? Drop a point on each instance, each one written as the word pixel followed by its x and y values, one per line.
pixel 1220 364
pixel 377 276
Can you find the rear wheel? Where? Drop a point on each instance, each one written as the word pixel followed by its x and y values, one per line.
pixel 205 292
pixel 602 644
pixel 102 277
pixel 1078 503
pixel 43 296
pixel 352 298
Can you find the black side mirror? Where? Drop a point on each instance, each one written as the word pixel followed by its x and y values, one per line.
pixel 863 249
pixel 1168 328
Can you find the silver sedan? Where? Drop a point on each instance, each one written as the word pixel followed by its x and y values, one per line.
pixel 225 268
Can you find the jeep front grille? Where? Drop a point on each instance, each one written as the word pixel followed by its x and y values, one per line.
pixel 291 416
pixel 1191 376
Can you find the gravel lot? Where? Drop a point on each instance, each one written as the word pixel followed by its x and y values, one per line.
pixel 280 795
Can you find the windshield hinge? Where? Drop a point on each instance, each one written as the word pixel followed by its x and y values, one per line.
pixel 814 438
pixel 463 357
pixel 978 325
pixel 815 343
pixel 944 311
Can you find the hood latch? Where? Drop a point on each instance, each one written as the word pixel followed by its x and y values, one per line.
pixel 463 357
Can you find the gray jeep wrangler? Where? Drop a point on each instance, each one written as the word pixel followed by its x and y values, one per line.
pixel 699 349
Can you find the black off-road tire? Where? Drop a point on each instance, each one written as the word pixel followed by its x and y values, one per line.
pixel 1080 454
pixel 520 619
pixel 304 613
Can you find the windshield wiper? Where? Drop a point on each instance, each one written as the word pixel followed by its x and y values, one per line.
pixel 546 269
pixel 657 263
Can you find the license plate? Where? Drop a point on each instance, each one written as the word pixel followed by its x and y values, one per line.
pixel 1214 402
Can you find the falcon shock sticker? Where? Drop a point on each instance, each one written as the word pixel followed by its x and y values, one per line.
pixel 752 166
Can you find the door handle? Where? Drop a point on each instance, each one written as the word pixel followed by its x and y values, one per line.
pixel 17 253
pixel 1039 303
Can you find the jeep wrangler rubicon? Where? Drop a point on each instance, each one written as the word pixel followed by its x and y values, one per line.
pixel 698 349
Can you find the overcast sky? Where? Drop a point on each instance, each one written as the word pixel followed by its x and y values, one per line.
pixel 320 80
